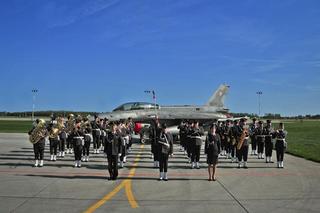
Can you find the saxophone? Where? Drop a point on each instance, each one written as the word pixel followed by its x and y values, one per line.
pixel 38 133
pixel 244 135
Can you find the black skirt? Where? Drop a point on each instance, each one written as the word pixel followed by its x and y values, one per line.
pixel 212 159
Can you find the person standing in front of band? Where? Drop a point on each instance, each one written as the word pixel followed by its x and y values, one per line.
pixel 212 149
pixel 165 142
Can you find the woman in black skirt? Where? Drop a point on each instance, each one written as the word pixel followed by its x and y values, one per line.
pixel 212 149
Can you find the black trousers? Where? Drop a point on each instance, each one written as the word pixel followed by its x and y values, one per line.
pixel 253 143
pixel 77 152
pixel 224 144
pixel 260 147
pixel 38 149
pixel 113 166
pixel 86 148
pixel 280 150
pixel 232 149
pixel 268 147
pixel 123 152
pixel 69 143
pixel 53 146
pixel 243 153
pixel 195 157
pixel 62 143
pixel 155 152
pixel 96 139
pixel 163 161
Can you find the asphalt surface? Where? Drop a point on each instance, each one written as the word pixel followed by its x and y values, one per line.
pixel 58 187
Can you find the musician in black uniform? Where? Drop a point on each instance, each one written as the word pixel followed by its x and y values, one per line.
pixel 39 131
pixel 226 138
pixel 268 131
pixel 189 140
pixel 281 144
pixel 196 138
pixel 220 132
pixel 212 149
pixel 62 136
pixel 260 135
pixel 113 149
pixel 54 141
pixel 155 130
pixel 96 132
pixel 182 135
pixel 165 145
pixel 243 144
pixel 233 140
pixel 87 130
pixel 77 136
pixel 252 128
pixel 124 134
pixel 131 126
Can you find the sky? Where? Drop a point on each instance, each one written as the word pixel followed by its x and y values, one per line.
pixel 93 55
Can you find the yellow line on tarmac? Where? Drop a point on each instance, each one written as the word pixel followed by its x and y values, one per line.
pixel 126 184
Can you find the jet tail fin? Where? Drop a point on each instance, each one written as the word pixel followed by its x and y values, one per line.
pixel 217 99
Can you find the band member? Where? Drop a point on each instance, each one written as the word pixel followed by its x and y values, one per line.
pixel 259 134
pixel 124 133
pixel 212 149
pixel 226 138
pixel 281 144
pixel 96 132
pixel 252 128
pixel 155 130
pixel 189 142
pixel 233 140
pixel 54 141
pixel 62 136
pixel 37 137
pixel 243 144
pixel 196 139
pixel 165 142
pixel 78 142
pixel 268 131
pixel 103 131
pixel 112 149
pixel 131 126
pixel 87 130
pixel 182 134
pixel 70 127
pixel 220 132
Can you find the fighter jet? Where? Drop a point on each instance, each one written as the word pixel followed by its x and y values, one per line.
pixel 143 112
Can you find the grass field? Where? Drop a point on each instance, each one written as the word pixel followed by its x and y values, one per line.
pixel 304 139
pixel 303 136
pixel 15 126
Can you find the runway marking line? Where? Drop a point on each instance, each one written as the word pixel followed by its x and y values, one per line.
pixel 126 184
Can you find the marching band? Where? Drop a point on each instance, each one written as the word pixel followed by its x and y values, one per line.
pixel 225 140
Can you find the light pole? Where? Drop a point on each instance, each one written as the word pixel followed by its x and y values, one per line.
pixel 154 99
pixel 34 92
pixel 259 93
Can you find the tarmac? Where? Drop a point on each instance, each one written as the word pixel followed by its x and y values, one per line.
pixel 58 187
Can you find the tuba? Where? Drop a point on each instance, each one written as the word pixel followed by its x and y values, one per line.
pixel 38 133
pixel 54 133
pixel 244 135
